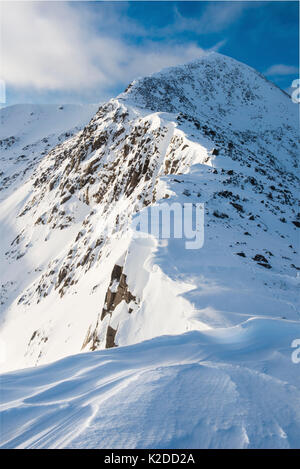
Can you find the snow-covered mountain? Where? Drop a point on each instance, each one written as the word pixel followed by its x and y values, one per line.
pixel 213 131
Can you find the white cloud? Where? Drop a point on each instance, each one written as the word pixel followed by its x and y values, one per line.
pixel 281 69
pixel 40 46
pixel 65 46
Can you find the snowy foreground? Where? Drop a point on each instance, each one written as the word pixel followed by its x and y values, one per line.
pixel 158 394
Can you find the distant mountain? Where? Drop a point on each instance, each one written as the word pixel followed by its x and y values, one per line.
pixel 28 131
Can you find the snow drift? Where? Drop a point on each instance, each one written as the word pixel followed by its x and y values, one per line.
pixel 228 388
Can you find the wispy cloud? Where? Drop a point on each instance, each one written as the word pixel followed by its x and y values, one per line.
pixel 216 17
pixel 281 70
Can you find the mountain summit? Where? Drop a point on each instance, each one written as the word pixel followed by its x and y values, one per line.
pixel 219 88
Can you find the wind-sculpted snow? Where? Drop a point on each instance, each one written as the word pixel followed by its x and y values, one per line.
pixel 75 277
pixel 228 388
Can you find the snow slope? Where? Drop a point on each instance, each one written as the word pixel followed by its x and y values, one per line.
pixel 227 388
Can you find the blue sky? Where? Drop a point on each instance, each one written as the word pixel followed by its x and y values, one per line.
pixel 89 51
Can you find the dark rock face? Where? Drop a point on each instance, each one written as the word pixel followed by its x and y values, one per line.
pixel 121 292
pixel 110 337
pixel 117 292
pixel 241 254
pixel 260 258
